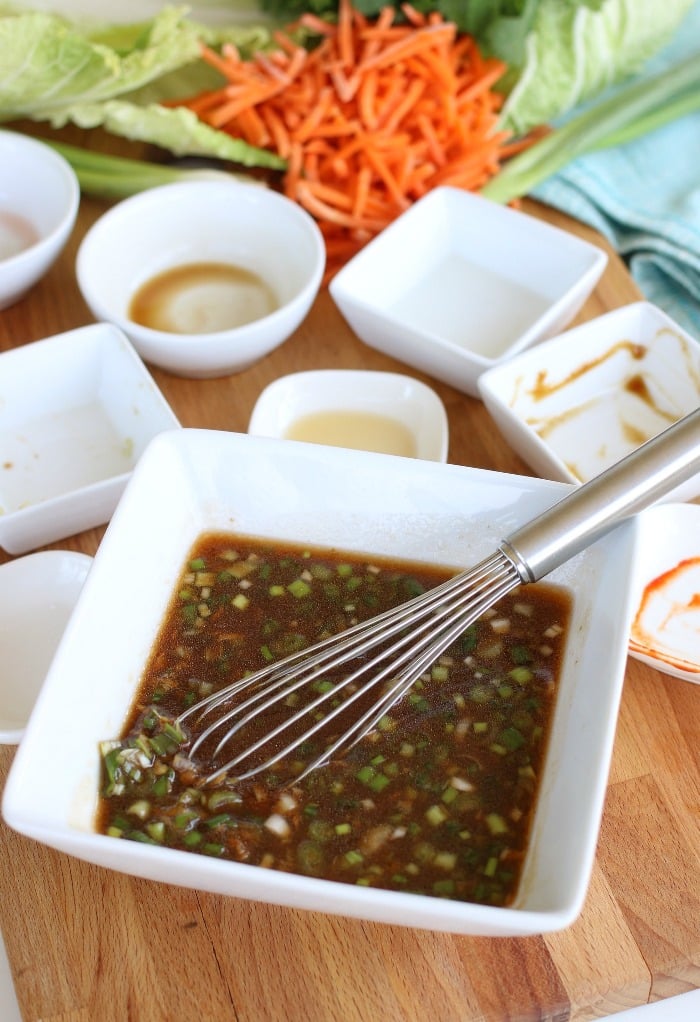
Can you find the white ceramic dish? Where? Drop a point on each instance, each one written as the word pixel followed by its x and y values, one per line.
pixel 39 199
pixel 37 596
pixel 271 250
pixel 582 401
pixel 76 411
pixel 385 412
pixel 459 283
pixel 353 500
pixel 665 629
pixel 9 1008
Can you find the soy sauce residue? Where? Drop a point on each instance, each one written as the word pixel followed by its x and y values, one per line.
pixel 202 298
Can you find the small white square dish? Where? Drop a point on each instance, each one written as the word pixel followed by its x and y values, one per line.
pixel 185 486
pixel 76 411
pixel 665 631
pixel 580 402
pixel 458 283
pixel 37 596
pixel 373 411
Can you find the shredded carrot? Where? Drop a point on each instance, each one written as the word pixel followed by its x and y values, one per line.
pixel 369 120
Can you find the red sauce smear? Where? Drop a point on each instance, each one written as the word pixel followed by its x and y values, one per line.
pixel 642 640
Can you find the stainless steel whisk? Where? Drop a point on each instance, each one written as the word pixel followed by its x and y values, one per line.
pixel 399 645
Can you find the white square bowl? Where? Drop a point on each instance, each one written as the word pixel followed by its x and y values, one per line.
pixel 358 501
pixel 459 283
pixel 580 402
pixel 398 408
pixel 76 412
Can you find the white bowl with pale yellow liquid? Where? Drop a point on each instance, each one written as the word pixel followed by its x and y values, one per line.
pixel 205 277
pixel 458 283
pixel 388 413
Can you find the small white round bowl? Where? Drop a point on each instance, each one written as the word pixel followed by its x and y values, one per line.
pixel 665 631
pixel 39 199
pixel 37 596
pixel 240 225
pixel 376 411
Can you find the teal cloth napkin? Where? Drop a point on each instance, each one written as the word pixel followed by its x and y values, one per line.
pixel 644 197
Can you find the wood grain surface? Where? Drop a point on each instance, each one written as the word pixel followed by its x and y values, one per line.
pixel 89 945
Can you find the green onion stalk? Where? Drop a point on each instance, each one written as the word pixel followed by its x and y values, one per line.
pixel 118 177
pixel 631 112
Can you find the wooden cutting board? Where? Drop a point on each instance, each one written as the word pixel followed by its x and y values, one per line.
pixel 89 945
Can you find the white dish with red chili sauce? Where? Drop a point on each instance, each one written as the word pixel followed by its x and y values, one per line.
pixel 366 506
pixel 574 405
pixel 666 625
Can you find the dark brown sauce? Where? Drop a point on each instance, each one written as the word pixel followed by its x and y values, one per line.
pixel 437 800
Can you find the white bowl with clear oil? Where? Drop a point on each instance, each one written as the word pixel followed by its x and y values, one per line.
pixel 387 413
pixel 458 283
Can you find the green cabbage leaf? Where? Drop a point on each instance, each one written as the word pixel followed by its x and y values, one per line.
pixel 562 53
pixel 118 77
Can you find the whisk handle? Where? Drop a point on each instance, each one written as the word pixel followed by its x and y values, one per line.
pixel 593 509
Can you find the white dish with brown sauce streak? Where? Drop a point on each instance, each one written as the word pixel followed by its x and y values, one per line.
pixel 574 405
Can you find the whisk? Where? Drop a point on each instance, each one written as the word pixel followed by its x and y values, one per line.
pixel 387 653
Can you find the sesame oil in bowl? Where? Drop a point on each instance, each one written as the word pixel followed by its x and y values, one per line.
pixel 202 298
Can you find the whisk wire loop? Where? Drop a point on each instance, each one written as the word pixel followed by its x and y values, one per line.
pixel 422 628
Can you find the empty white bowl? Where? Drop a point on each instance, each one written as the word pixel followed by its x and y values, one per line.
pixel 232 269
pixel 39 199
pixel 582 401
pixel 458 283
pixel 76 411
pixel 37 596
pixel 373 411
pixel 191 482
pixel 665 629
